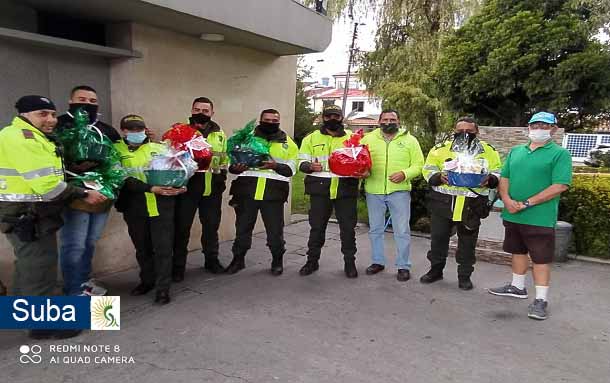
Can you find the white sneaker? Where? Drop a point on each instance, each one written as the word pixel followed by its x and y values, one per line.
pixel 93 288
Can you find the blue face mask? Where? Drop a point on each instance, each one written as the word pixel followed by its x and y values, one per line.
pixel 136 137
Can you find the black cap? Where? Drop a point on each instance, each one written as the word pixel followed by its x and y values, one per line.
pixel 32 103
pixel 332 109
pixel 132 122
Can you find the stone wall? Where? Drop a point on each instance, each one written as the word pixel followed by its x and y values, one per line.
pixel 504 138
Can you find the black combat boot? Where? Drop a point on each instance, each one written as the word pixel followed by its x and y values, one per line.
pixel 238 263
pixel 310 267
pixel 277 265
pixel 435 274
pixel 464 282
pixel 350 269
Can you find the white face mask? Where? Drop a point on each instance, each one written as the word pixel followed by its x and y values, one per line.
pixel 539 135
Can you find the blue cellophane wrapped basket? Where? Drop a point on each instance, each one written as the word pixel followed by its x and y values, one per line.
pixel 469 180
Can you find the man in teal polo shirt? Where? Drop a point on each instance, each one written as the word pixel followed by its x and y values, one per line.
pixel 533 177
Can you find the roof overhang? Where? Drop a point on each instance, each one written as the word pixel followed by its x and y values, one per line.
pixel 281 27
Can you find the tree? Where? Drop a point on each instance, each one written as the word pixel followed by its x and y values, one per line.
pixel 303 115
pixel 518 56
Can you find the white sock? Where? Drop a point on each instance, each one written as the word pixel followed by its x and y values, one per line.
pixel 542 292
pixel 518 281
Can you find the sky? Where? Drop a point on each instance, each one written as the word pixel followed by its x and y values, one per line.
pixel 336 55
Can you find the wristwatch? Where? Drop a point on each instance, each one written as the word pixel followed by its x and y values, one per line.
pixel 527 203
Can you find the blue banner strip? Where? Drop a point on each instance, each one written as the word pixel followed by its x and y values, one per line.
pixel 45 313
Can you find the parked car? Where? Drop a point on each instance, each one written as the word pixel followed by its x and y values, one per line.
pixel 598 156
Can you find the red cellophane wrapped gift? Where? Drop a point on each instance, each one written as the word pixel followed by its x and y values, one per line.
pixel 184 137
pixel 353 160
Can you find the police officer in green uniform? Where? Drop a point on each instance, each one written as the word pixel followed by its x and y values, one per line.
pixel 204 193
pixel 33 193
pixel 457 207
pixel 265 189
pixel 148 210
pixel 328 191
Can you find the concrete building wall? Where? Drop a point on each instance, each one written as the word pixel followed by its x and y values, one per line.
pixel 160 86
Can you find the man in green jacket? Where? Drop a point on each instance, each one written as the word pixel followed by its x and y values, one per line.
pixel 397 159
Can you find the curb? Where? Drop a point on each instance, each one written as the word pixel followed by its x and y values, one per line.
pixel 584 258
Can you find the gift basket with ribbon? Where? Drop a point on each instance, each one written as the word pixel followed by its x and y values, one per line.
pixel 170 167
pixel 85 142
pixel 183 137
pixel 107 181
pixel 466 170
pixel 353 159
pixel 244 147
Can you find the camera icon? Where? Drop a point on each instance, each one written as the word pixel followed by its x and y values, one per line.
pixel 30 354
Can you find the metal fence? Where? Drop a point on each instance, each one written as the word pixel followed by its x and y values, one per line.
pixel 579 144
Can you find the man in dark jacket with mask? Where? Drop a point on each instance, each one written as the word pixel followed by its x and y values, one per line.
pixel 457 207
pixel 328 191
pixel 84 223
pixel 204 193
pixel 265 189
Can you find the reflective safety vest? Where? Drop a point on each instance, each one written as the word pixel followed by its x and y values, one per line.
pixel 435 161
pixel 402 153
pixel 281 152
pixel 220 161
pixel 134 162
pixel 31 169
pixel 317 147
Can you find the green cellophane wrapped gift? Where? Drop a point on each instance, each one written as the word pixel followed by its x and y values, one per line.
pixel 244 147
pixel 84 142
pixel 106 180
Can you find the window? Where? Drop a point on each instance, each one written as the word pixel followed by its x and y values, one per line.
pixel 358 106
pixel 326 103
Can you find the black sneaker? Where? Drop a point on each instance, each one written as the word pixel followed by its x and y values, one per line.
pixel 374 269
pixel 537 310
pixel 509 291
pixel 309 268
pixel 403 275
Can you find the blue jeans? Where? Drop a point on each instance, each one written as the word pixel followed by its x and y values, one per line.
pixel 78 236
pixel 399 204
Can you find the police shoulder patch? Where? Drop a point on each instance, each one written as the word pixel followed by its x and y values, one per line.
pixel 28 134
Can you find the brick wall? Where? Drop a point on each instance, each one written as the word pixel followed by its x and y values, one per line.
pixel 504 138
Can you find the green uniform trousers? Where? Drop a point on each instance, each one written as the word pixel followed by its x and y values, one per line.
pixel 35 265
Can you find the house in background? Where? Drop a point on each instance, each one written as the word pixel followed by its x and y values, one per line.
pixel 153 57
pixel 362 107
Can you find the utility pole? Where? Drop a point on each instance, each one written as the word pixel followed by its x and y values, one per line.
pixel 352 49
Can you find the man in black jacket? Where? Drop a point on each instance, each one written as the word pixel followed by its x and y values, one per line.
pixel 84 223
pixel 204 192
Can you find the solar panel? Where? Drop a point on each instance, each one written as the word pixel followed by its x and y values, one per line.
pixel 606 139
pixel 579 144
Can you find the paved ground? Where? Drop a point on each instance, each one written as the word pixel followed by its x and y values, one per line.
pixel 252 327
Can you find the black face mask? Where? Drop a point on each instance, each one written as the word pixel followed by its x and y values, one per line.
pixel 199 118
pixel 389 128
pixel 91 110
pixel 333 125
pixel 269 127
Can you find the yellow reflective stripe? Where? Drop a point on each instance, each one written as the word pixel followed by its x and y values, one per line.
pixel 334 187
pixel 458 209
pixel 207 177
pixel 151 205
pixel 260 189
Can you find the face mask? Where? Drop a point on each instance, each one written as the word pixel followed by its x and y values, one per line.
pixel 135 137
pixel 269 127
pixel 333 125
pixel 199 118
pixel 91 110
pixel 539 135
pixel 389 128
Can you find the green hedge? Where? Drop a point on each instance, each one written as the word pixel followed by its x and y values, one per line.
pixel 587 206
